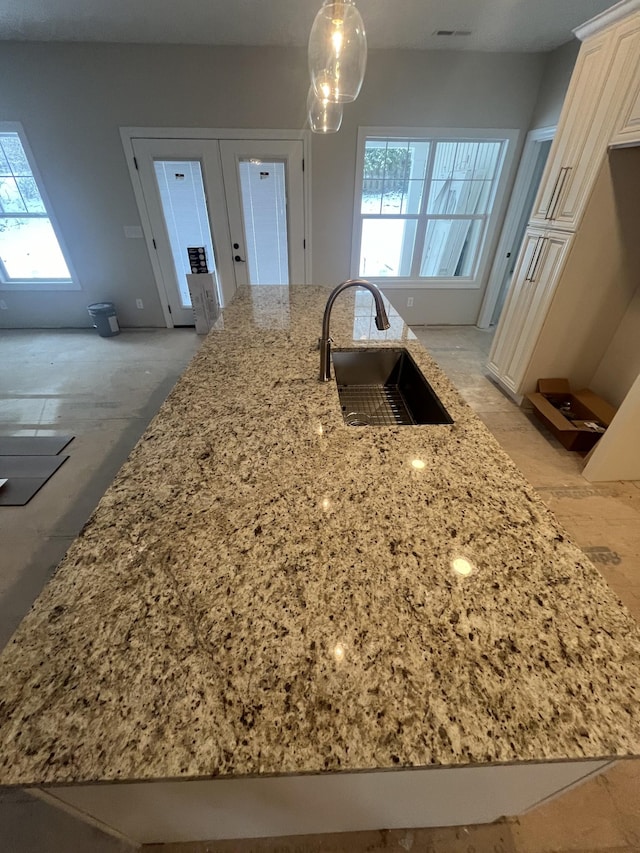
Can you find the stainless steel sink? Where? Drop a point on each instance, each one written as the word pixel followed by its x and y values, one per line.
pixel 384 387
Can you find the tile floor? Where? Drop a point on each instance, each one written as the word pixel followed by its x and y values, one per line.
pixel 104 391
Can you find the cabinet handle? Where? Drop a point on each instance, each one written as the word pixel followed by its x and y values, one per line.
pixel 543 240
pixel 531 260
pixel 553 196
pixel 563 174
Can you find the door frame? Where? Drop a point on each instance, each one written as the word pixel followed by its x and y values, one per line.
pixel 128 134
pixel 526 169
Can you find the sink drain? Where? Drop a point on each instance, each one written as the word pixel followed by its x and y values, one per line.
pixel 356 419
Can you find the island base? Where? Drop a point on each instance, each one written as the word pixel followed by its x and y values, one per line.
pixel 205 810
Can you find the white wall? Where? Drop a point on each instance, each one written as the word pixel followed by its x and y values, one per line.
pixel 620 365
pixel 554 84
pixel 72 99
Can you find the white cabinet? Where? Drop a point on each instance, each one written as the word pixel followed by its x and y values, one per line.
pixel 623 87
pixel 605 71
pixel 603 99
pixel 628 132
pixel 534 281
pixel 568 170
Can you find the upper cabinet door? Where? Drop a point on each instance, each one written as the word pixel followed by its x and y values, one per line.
pixel 606 70
pixel 569 165
pixel 628 124
pixel 629 130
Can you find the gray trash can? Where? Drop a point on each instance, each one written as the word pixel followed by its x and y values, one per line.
pixel 104 318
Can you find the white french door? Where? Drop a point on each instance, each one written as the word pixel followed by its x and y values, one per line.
pixel 183 190
pixel 265 204
pixel 243 200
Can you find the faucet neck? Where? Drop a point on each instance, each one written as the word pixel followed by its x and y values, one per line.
pixel 382 321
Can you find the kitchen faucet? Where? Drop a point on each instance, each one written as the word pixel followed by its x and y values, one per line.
pixel 382 321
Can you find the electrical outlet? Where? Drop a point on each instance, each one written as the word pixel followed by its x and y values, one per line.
pixel 409 301
pixel 133 232
pixel 139 303
pixel 3 305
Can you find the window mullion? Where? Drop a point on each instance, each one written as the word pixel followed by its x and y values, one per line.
pixel 428 176
pixel 402 216
pixel 19 215
pixel 22 198
pixel 421 228
pixel 450 216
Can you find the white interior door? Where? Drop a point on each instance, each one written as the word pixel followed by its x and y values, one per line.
pixel 264 189
pixel 185 201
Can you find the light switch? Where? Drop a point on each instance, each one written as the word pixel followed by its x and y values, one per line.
pixel 133 232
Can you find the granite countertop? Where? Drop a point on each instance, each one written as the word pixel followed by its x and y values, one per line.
pixel 265 590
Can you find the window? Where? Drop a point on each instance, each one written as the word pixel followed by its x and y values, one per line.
pixel 425 206
pixel 30 253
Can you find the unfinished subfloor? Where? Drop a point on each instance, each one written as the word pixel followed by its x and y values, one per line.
pixel 104 391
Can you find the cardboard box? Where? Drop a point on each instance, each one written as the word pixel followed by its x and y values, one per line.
pixel 210 290
pixel 196 292
pixel 582 408
pixel 204 300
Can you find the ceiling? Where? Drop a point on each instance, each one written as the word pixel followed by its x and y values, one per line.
pixel 496 25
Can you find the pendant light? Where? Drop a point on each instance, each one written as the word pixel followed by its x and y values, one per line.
pixel 337 51
pixel 324 116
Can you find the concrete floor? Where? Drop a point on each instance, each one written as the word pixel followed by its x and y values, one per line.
pixel 104 391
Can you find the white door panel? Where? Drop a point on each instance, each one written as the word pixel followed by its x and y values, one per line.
pixel 160 159
pixel 265 198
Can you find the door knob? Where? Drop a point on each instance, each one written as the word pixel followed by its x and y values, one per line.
pixel 239 259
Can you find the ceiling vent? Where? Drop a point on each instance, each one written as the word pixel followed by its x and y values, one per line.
pixel 452 33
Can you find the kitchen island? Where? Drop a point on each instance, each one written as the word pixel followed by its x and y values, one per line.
pixel 269 607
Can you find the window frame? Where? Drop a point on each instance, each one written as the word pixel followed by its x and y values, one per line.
pixel 33 284
pixel 430 134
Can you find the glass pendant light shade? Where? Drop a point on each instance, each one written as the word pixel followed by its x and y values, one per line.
pixel 324 116
pixel 337 51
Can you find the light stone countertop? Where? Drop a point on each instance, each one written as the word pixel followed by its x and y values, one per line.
pixel 265 590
